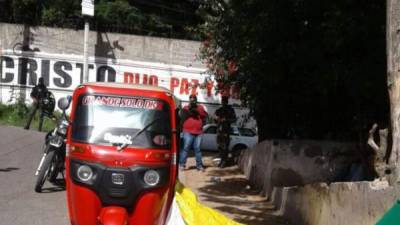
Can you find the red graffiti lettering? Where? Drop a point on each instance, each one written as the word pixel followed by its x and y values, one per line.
pixel 195 84
pixel 184 87
pixel 174 84
pixel 128 77
pixel 131 78
pixel 137 77
pixel 153 80
pixel 145 79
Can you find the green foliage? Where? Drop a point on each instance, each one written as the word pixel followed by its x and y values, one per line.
pixel 51 16
pixel 312 69
pixel 25 11
pixel 17 114
pixel 118 13
pixel 159 18
pixel 145 17
pixel 59 13
pixel 19 109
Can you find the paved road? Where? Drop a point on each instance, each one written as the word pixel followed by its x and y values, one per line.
pixel 20 152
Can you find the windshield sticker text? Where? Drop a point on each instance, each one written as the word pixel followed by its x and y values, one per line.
pixel 124 139
pixel 122 102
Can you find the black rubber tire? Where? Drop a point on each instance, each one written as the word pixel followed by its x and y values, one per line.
pixel 44 171
pixel 54 168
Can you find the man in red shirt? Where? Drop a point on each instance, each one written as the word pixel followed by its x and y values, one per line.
pixel 192 117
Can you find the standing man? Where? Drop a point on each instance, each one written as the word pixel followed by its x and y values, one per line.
pixel 38 93
pixel 192 117
pixel 224 117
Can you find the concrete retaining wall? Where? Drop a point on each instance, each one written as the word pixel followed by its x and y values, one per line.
pixel 299 177
pixel 351 203
pixel 290 163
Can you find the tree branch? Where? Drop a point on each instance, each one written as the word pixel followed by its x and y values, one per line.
pixel 371 141
pixel 379 162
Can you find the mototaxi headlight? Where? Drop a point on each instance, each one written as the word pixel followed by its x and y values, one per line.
pixel 151 177
pixel 84 173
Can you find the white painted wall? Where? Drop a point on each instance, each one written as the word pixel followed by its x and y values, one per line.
pixel 58 57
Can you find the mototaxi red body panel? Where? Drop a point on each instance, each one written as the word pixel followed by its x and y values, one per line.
pixel 149 206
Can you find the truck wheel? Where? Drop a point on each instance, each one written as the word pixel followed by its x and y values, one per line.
pixel 44 171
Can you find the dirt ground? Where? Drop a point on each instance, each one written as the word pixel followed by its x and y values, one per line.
pixel 228 191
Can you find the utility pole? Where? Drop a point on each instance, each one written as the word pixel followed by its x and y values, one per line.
pixel 85 53
pixel 87 11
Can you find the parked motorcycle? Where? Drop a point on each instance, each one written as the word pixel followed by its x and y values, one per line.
pixel 53 159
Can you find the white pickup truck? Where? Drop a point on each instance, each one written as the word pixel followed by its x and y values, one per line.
pixel 241 138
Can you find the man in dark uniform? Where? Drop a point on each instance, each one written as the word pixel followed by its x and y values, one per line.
pixel 224 117
pixel 38 93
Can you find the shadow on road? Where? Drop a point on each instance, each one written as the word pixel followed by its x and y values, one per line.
pixel 8 169
pixel 232 194
pixel 52 189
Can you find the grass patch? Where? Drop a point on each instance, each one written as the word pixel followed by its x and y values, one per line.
pixel 17 115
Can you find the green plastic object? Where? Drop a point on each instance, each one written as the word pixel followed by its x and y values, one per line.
pixel 391 217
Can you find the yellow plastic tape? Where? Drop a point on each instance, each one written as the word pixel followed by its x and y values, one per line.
pixel 194 213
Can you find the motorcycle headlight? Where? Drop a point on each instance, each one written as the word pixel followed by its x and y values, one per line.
pixel 62 130
pixel 151 177
pixel 84 173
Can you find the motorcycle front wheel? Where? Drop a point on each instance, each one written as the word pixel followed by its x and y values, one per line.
pixel 57 167
pixel 44 171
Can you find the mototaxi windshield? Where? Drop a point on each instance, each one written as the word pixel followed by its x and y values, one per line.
pixel 114 120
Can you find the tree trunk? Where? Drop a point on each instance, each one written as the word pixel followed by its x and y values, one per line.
pixel 393 79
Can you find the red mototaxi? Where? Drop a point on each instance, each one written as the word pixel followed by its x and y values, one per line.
pixel 115 175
